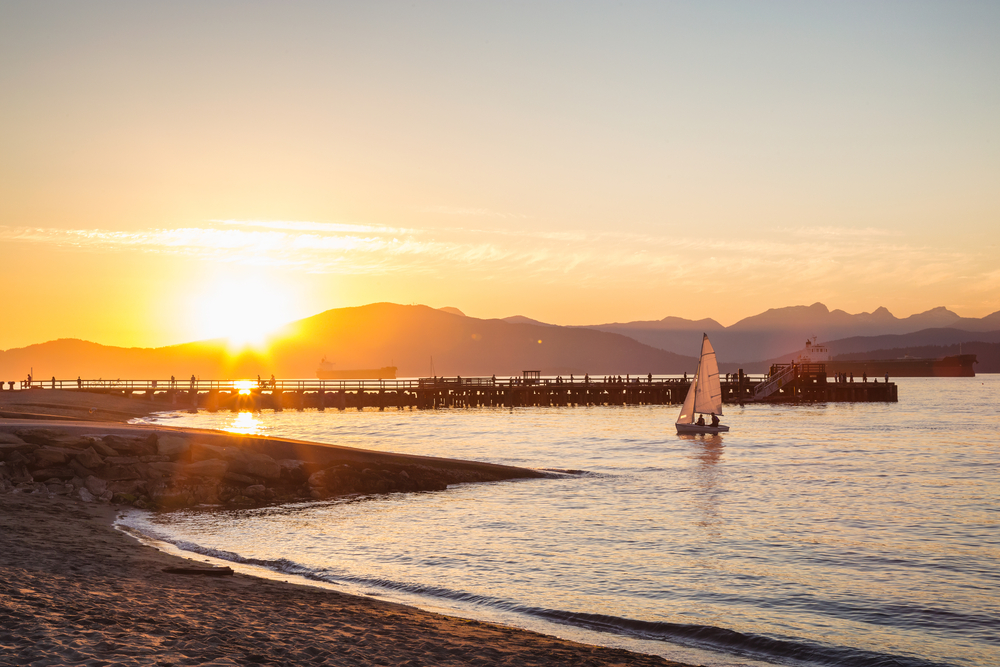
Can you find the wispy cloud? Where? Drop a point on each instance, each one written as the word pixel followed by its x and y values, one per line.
pixel 804 261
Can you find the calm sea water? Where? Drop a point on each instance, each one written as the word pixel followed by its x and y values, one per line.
pixel 840 534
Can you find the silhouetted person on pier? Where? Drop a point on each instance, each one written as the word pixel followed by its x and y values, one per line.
pixel 852 377
pixel 650 378
pixel 79 382
pixel 887 377
pixel 274 383
pixel 173 381
pixel 715 420
pixel 864 376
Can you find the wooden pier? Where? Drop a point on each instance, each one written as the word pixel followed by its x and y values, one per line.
pixel 800 383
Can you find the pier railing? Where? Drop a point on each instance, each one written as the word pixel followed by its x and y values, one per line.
pixel 312 385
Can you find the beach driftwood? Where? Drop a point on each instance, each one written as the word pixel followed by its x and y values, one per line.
pixel 207 571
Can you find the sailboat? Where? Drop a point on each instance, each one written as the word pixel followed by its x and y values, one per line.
pixel 704 396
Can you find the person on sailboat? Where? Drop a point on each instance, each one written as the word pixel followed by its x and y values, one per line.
pixel 715 420
pixel 701 420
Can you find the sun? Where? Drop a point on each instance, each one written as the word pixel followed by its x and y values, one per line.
pixel 245 309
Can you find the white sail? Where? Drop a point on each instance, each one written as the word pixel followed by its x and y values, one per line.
pixel 705 394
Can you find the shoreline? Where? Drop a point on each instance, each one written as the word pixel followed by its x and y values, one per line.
pixel 74 588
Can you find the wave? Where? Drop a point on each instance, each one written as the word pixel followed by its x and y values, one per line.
pixel 790 651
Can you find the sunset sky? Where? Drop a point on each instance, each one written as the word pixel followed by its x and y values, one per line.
pixel 175 171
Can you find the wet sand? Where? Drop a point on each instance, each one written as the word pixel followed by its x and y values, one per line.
pixel 74 590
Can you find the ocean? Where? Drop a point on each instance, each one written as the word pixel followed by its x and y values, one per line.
pixel 830 534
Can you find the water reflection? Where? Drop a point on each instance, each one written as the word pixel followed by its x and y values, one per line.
pixel 246 423
pixel 708 473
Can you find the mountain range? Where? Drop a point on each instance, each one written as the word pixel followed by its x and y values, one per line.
pixel 780 331
pixel 423 341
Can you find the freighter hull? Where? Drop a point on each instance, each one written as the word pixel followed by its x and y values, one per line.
pixel 960 365
pixel 384 373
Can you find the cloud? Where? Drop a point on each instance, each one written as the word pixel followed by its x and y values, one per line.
pixel 801 262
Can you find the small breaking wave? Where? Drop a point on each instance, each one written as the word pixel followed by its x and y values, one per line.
pixel 775 649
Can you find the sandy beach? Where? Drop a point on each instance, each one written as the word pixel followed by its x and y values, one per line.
pixel 74 590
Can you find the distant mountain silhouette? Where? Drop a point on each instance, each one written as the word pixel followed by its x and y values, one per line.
pixel 891 346
pixel 781 331
pixel 453 311
pixel 365 337
pixel 521 319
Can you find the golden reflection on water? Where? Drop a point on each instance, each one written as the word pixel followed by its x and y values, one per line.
pixel 707 450
pixel 246 423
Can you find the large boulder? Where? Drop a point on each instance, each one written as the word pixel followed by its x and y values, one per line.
pixel 96 485
pixel 206 468
pixel 258 465
pixel 89 458
pixel 172 445
pixel 47 457
pixel 8 449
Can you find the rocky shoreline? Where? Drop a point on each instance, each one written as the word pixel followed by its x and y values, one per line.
pixel 160 468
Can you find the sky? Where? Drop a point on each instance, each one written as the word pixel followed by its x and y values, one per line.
pixel 185 170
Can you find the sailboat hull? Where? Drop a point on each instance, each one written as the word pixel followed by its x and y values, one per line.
pixel 689 429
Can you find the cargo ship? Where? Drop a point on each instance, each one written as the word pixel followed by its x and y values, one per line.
pixel 958 365
pixel 326 371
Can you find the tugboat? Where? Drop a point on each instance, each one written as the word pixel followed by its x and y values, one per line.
pixel 326 371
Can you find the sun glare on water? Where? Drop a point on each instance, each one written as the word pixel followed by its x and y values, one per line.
pixel 245 423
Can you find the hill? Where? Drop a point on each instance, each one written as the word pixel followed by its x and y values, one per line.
pixel 409 337
pixel 780 331
pixel 929 343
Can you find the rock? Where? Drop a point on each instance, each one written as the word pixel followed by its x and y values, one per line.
pixel 165 468
pixel 81 471
pixel 132 446
pixel 172 445
pixel 255 491
pixel 128 486
pixel 89 458
pixel 9 449
pixel 169 498
pixel 121 460
pixel 117 473
pixel 17 459
pixel 39 436
pixel 60 489
pixel 10 439
pixel 237 478
pixel 107 496
pixel 199 451
pixel 49 457
pixel 59 473
pixel 96 485
pixel 206 468
pixel 154 458
pixel 206 494
pixel 123 499
pixel 258 465
pixel 86 496
pixel 403 474
pixel 99 445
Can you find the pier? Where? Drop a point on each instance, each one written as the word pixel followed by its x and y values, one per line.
pixel 793 383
